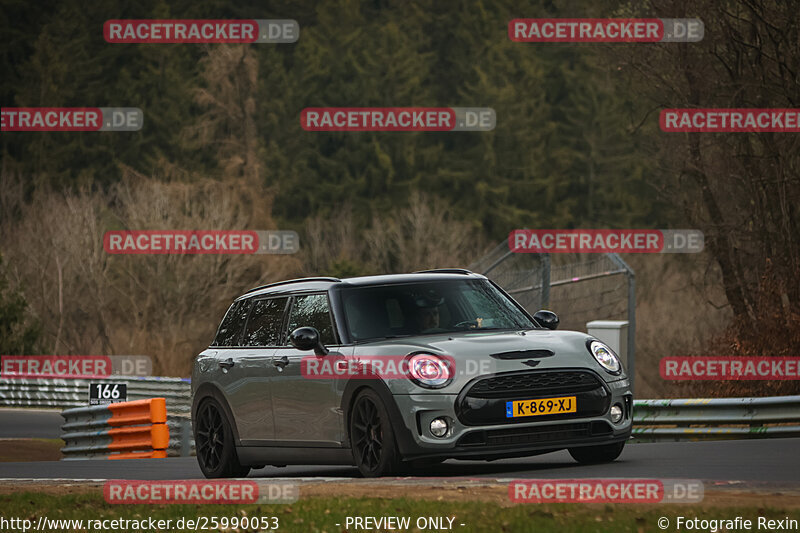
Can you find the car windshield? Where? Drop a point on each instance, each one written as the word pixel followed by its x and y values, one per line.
pixel 408 309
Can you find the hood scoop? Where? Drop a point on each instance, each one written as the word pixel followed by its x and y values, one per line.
pixel 522 354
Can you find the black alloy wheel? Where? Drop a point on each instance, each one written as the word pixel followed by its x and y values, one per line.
pixel 216 451
pixel 371 436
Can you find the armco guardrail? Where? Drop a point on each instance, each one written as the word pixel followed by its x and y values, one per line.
pixel 181 442
pixel 127 430
pixel 654 420
pixel 716 418
pixel 64 393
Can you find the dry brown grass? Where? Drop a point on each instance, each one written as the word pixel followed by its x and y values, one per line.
pixel 164 306
pixel 775 332
pixel 23 450
pixel 680 307
pixel 682 310
pixel 421 235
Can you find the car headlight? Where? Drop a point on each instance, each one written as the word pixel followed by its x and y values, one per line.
pixel 603 355
pixel 429 371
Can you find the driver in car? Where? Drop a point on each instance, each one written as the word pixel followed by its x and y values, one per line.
pixel 427 311
pixel 428 318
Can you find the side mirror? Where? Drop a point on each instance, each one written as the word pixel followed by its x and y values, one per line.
pixel 547 319
pixel 307 338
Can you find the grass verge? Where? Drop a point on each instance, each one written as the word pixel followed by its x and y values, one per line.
pixel 23 450
pixel 322 514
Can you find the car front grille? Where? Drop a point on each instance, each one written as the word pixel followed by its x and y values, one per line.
pixel 484 402
pixel 519 384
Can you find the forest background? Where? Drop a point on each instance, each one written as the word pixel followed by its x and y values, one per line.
pixel 577 145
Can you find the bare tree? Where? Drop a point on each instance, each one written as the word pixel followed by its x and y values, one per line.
pixel 741 189
pixel 421 235
pixel 165 306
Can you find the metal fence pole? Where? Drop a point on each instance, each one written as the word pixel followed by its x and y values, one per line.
pixel 545 281
pixel 631 327
pixel 631 316
pixel 511 284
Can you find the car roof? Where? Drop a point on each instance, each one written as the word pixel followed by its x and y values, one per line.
pixel 325 283
pixel 410 278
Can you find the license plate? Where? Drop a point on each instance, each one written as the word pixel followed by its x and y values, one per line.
pixel 545 406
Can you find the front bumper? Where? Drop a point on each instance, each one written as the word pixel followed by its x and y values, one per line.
pixel 480 434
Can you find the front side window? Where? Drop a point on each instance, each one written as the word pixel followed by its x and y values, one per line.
pixel 265 323
pixel 230 330
pixel 312 310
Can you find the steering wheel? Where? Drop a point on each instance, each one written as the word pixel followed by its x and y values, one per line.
pixel 467 324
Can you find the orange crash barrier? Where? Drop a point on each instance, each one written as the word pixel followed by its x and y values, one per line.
pixel 127 430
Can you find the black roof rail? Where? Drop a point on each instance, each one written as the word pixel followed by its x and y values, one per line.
pixel 300 280
pixel 444 271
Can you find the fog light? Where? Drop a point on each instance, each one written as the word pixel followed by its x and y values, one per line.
pixel 616 413
pixel 439 427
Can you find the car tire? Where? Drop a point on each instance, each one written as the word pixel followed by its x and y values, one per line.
pixel 597 454
pixel 372 437
pixel 213 437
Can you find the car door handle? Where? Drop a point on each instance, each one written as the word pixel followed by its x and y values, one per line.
pixel 280 363
pixel 227 364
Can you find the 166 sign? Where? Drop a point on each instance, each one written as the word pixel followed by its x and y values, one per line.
pixel 103 393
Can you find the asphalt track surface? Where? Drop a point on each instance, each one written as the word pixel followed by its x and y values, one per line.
pixel 769 461
pixel 30 424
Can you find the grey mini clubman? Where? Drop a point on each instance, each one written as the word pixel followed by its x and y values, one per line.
pixel 389 372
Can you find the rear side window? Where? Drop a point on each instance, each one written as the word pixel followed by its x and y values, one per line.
pixel 265 323
pixel 230 331
pixel 313 310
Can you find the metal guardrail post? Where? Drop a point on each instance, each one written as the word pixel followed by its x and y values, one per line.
pixel 181 443
pixel 186 437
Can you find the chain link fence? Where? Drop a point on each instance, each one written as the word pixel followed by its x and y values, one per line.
pixel 579 288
